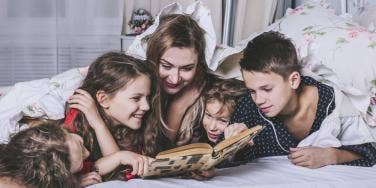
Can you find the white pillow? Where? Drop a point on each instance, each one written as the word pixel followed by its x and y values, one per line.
pixel 366 17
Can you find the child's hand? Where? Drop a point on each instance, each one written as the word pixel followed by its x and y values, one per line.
pixel 90 178
pixel 234 129
pixel 202 175
pixel 83 101
pixel 139 163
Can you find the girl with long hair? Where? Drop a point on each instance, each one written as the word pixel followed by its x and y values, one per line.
pixel 47 155
pixel 111 103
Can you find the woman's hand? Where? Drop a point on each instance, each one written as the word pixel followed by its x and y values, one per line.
pixel 313 157
pixel 83 101
pixel 90 178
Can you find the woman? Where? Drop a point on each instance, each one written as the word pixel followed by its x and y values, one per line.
pixel 177 48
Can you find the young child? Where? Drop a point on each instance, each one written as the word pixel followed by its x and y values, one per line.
pixel 220 101
pixel 49 156
pixel 291 106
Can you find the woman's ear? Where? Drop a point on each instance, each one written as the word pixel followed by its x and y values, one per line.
pixel 103 99
pixel 294 80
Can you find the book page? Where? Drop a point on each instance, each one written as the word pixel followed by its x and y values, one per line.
pixel 190 149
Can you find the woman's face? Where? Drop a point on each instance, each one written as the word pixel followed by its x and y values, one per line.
pixel 77 152
pixel 216 119
pixel 130 103
pixel 177 68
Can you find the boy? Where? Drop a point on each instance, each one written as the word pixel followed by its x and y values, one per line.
pixel 291 106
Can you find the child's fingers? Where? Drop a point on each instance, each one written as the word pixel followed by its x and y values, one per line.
pixel 195 175
pixel 87 182
pixel 83 92
pixel 79 107
pixel 146 164
pixel 234 129
pixel 90 179
pixel 143 165
pixel 251 143
pixel 78 98
pixel 96 176
pixel 135 167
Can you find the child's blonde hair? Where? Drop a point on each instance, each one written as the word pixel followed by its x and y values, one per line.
pixel 226 92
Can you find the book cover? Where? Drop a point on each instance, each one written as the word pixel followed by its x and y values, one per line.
pixel 198 156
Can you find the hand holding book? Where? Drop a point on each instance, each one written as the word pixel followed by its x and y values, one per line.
pixel 199 156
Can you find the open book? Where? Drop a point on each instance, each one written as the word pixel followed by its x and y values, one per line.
pixel 198 156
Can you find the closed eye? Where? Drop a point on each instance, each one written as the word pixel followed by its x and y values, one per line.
pixel 223 120
pixel 186 69
pixel 208 114
pixel 166 66
pixel 137 98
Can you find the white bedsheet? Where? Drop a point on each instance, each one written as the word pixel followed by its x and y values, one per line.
pixel 266 173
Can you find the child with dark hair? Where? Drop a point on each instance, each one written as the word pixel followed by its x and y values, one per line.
pixel 292 107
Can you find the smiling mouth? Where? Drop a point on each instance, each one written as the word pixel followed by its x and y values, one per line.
pixel 138 116
pixel 172 86
pixel 213 136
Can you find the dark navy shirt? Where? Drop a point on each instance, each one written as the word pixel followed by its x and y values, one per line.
pixel 275 139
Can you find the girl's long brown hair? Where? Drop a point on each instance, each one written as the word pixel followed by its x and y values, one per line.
pixel 110 73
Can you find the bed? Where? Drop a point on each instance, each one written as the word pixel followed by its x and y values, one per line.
pixel 322 38
pixel 265 173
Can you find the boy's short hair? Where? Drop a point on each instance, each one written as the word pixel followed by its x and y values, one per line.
pixel 271 52
pixel 226 92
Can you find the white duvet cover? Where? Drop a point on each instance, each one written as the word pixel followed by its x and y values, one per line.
pixel 266 173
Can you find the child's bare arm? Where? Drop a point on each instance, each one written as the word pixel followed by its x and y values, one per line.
pixel 85 103
pixel 138 162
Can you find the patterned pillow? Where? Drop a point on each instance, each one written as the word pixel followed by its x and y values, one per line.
pixel 338 43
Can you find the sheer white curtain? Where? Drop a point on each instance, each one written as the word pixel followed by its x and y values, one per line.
pixel 253 16
pixel 39 38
